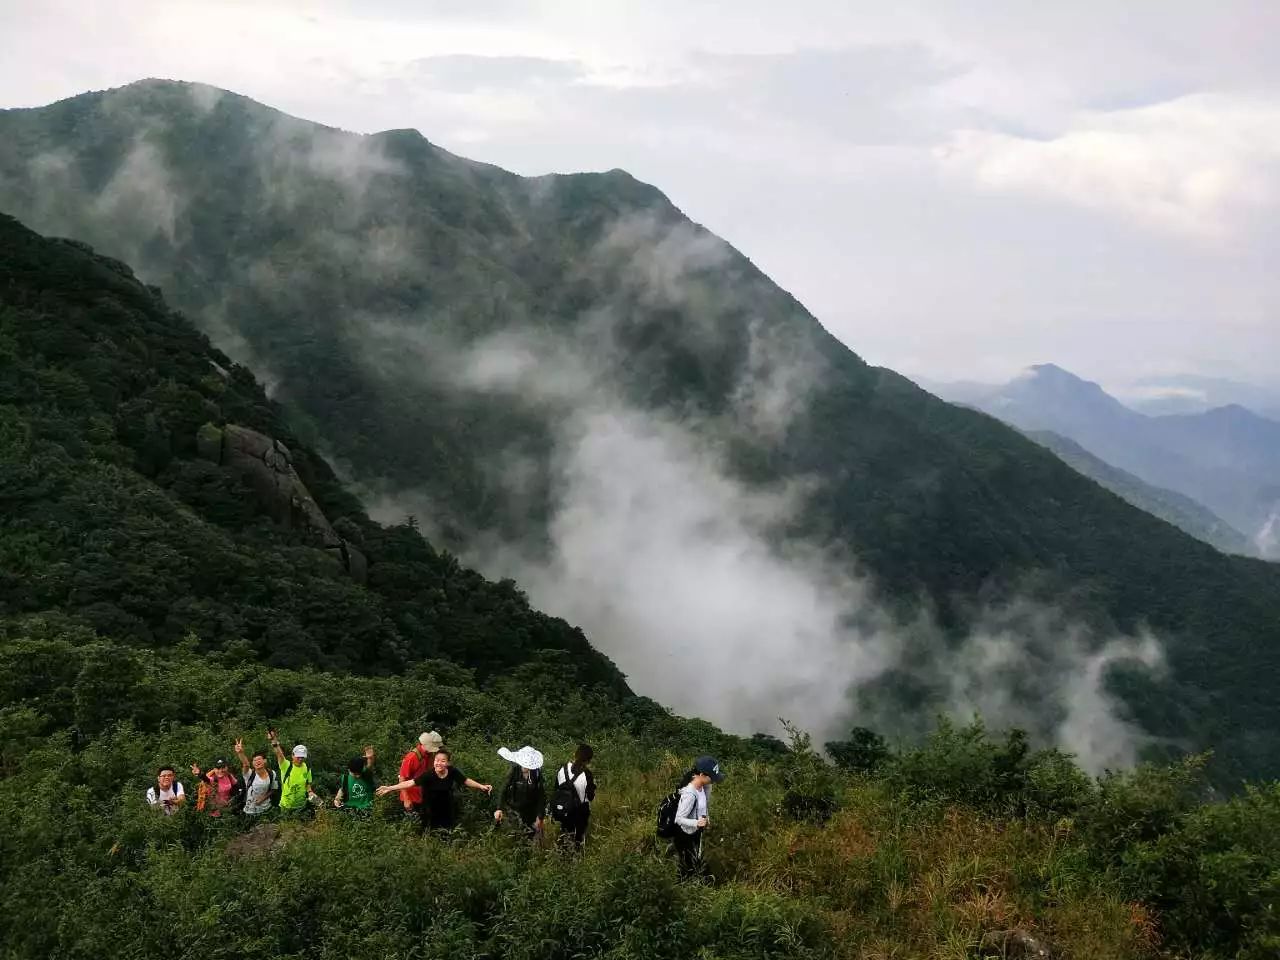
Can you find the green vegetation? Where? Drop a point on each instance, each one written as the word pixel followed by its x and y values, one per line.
pixel 950 841
pixel 110 518
pixel 350 269
pixel 1181 511
pixel 151 614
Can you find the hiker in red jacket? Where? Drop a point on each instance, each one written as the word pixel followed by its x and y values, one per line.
pixel 415 763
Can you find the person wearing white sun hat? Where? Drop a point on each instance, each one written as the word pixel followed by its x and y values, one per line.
pixel 524 793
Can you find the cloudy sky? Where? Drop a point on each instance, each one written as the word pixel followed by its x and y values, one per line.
pixel 956 190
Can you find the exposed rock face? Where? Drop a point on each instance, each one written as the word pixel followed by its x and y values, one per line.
pixel 264 838
pixel 268 465
pixel 1014 943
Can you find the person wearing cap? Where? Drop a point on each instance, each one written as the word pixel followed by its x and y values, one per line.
pixel 415 763
pixel 693 814
pixel 261 783
pixel 356 785
pixel 295 777
pixel 220 788
pixel 523 794
pixel 438 785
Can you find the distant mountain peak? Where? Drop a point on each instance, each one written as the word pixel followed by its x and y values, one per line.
pixel 1047 383
pixel 1053 370
pixel 1051 373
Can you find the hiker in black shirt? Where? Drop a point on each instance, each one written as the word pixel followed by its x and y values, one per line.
pixel 438 785
pixel 523 793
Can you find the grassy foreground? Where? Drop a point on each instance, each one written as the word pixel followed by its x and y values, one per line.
pixel 938 847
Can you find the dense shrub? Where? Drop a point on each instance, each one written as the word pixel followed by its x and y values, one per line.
pixel 810 786
pixel 864 752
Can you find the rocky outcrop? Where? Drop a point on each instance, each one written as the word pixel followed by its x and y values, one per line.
pixel 1014 943
pixel 268 466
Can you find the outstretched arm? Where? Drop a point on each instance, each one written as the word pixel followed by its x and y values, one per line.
pixel 386 788
pixel 476 785
pixel 274 739
pixel 244 761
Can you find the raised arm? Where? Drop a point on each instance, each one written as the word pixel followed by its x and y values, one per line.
pixel 274 739
pixel 245 766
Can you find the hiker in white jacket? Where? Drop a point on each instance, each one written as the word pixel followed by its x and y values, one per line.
pixel 692 814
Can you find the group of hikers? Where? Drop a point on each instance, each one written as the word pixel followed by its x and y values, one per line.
pixel 427 787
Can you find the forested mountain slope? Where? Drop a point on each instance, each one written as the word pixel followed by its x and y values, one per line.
pixel 113 519
pixel 449 330
pixel 1183 512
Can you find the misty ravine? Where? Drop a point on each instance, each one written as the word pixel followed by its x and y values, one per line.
pixel 688 578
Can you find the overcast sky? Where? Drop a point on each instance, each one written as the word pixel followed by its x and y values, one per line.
pixel 955 189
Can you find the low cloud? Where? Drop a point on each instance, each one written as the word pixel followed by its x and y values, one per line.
pixel 1033 667
pixel 140 200
pixel 676 569
pixel 686 575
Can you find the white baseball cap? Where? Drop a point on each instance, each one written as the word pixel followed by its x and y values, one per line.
pixel 300 751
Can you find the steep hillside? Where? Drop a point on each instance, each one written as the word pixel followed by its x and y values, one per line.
pixel 1183 512
pixel 509 353
pixel 113 518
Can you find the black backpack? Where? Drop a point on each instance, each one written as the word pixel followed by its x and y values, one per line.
pixel 667 807
pixel 565 800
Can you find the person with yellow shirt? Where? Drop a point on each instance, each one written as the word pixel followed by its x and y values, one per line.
pixel 296 791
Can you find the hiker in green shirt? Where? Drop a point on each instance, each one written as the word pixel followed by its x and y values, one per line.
pixel 295 778
pixel 356 785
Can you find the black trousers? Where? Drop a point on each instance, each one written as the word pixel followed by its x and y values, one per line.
pixel 574 833
pixel 688 848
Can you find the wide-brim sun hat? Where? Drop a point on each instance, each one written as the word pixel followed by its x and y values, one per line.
pixel 431 741
pixel 526 757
